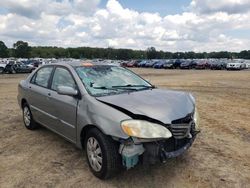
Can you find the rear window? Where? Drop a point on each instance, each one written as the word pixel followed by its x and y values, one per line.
pixel 42 76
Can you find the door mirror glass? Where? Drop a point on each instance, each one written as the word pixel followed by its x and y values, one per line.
pixel 66 90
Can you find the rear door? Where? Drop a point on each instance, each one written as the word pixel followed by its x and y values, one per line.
pixel 39 96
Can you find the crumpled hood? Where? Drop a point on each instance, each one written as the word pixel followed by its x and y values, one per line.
pixel 162 105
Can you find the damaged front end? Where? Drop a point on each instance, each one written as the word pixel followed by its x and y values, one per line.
pixel 153 150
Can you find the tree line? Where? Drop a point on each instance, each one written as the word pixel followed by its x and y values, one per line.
pixel 22 49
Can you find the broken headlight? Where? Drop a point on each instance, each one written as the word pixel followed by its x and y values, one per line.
pixel 196 119
pixel 144 129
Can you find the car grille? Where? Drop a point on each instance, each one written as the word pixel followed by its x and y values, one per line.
pixel 181 128
pixel 180 131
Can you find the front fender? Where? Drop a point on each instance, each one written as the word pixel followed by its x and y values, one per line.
pixel 106 118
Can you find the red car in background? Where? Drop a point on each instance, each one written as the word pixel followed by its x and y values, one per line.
pixel 202 64
pixel 123 64
pixel 131 63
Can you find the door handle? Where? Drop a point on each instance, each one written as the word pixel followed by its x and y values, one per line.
pixel 48 96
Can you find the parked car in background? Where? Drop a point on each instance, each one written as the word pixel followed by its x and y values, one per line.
pixel 119 118
pixel 136 63
pixel 218 65
pixel 2 67
pixel 123 63
pixel 235 65
pixel 150 63
pixel 131 63
pixel 14 67
pixel 159 64
pixel 142 63
pixel 202 64
pixel 34 63
pixel 247 63
pixel 177 63
pixel 9 67
pixel 169 64
pixel 188 64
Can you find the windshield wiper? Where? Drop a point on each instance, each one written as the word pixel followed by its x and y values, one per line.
pixel 104 88
pixel 123 87
pixel 131 86
pixel 115 89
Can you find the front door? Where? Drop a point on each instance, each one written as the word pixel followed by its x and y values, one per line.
pixel 63 107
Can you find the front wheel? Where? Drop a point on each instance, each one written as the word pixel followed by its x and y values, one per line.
pixel 28 121
pixel 102 154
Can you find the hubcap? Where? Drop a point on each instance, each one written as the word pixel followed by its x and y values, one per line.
pixel 94 153
pixel 26 116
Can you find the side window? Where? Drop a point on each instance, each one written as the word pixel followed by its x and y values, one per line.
pixel 62 77
pixel 42 77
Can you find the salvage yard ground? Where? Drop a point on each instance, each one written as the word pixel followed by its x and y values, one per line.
pixel 220 156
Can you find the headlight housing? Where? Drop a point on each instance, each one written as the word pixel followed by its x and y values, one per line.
pixel 192 98
pixel 196 118
pixel 144 129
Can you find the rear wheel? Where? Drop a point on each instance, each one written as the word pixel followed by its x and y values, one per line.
pixel 1 70
pixel 102 154
pixel 28 121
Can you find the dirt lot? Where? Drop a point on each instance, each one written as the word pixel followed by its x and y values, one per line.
pixel 220 157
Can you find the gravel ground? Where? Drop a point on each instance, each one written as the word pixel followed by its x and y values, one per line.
pixel 220 156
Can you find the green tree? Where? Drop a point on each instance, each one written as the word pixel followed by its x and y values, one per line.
pixel 190 55
pixel 21 49
pixel 3 50
pixel 168 55
pixel 244 54
pixel 151 53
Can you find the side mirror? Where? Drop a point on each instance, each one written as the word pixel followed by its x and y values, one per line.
pixel 66 90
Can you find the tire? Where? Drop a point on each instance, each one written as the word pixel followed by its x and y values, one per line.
pixel 13 72
pixel 1 70
pixel 101 149
pixel 28 121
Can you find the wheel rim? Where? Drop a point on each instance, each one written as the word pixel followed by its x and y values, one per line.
pixel 94 153
pixel 26 116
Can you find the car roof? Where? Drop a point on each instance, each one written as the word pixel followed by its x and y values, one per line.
pixel 77 63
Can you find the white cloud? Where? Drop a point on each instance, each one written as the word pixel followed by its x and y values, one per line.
pixel 229 6
pixel 82 23
pixel 34 8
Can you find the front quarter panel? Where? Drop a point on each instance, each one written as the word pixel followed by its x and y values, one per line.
pixel 104 117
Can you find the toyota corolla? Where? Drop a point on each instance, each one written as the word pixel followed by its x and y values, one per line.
pixel 119 118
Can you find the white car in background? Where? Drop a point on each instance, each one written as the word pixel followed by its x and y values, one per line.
pixel 247 63
pixel 235 65
pixel 2 67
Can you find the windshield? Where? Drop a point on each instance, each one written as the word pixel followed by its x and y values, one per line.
pixel 102 80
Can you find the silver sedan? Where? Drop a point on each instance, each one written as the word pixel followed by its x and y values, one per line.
pixel 118 117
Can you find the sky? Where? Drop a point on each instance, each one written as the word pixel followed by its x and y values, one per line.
pixel 169 25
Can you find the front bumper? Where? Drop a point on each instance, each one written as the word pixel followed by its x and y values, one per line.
pixel 171 154
pixel 156 152
pixel 184 67
pixel 233 68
